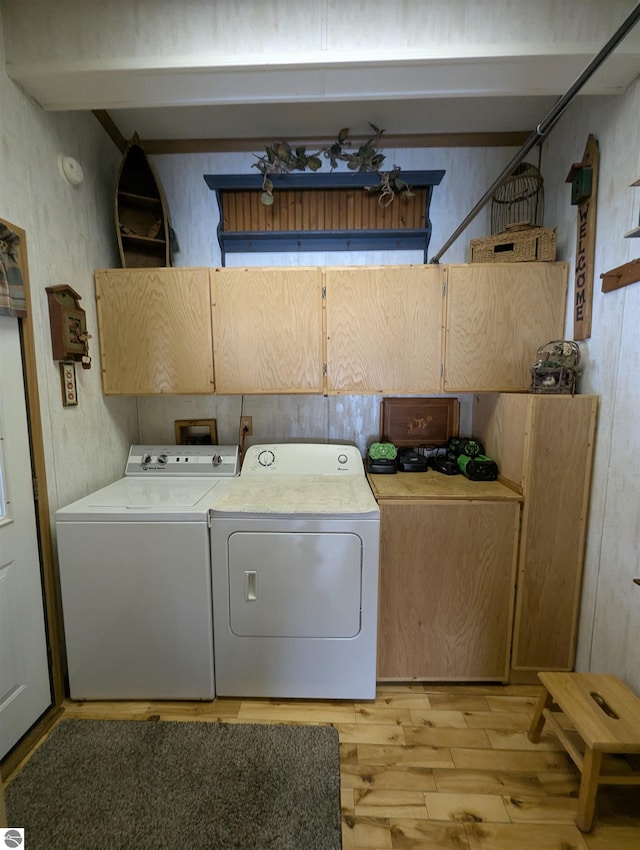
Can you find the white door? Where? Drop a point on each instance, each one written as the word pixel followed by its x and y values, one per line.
pixel 25 691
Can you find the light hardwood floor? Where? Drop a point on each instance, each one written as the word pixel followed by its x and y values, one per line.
pixel 435 767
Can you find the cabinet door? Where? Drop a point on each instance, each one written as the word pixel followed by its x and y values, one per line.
pixel 498 315
pixel 384 329
pixel 556 501
pixel 447 572
pixel 267 329
pixel 544 446
pixel 155 331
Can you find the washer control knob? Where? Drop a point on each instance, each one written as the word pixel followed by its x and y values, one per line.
pixel 216 460
pixel 266 458
pixel 163 458
pixel 146 459
pixel 342 459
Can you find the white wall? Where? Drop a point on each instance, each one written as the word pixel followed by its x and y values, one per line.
pixel 194 210
pixel 70 232
pixel 610 623
pixel 146 53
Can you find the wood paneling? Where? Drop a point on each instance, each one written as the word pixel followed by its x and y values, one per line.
pixel 384 329
pixel 317 209
pixel 498 315
pixel 267 330
pixel 155 331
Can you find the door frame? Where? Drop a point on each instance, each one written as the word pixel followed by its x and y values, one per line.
pixel 51 596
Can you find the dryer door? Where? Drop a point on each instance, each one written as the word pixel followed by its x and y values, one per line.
pixel 295 584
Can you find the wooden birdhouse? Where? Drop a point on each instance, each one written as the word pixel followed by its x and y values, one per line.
pixel 68 323
pixel 581 178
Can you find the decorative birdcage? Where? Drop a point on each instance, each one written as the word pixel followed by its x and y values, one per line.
pixel 556 367
pixel 519 200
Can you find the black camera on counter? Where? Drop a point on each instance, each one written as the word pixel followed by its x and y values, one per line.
pixel 469 455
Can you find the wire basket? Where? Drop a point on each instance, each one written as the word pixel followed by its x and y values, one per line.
pixel 556 367
pixel 520 199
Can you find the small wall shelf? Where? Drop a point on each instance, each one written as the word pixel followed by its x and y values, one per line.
pixel 322 212
pixel 621 276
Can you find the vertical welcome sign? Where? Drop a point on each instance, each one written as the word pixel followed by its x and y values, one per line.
pixel 583 177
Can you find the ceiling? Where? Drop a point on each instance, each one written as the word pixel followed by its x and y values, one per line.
pixel 234 74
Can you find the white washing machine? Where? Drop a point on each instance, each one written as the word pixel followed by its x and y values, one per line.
pixel 135 576
pixel 295 545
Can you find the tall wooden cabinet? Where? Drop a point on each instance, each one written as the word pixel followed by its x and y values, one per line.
pixel 267 330
pixel 384 329
pixel 155 331
pixel 498 315
pixel 545 447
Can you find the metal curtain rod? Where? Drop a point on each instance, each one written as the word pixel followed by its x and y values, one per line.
pixel 545 125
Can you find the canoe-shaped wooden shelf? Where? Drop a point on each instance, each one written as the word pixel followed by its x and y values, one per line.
pixel 322 212
pixel 142 222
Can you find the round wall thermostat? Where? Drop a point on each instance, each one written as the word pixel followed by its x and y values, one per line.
pixel 70 169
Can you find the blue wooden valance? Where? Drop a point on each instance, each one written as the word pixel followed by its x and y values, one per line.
pixel 322 212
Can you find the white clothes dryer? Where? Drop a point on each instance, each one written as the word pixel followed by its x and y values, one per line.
pixel 295 548
pixel 135 576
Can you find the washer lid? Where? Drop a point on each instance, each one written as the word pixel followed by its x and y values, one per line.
pixel 320 495
pixel 139 499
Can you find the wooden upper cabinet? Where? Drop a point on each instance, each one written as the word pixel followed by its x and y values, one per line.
pixel 498 315
pixel 267 330
pixel 384 329
pixel 155 331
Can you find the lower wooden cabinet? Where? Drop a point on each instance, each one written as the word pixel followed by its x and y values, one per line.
pixel 449 586
pixel 447 574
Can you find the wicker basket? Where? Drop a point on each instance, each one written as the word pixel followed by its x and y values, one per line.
pixel 516 246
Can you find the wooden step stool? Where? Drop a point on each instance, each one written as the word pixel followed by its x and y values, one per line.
pixel 606 716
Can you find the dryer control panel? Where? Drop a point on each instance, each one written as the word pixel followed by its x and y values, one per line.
pixel 302 459
pixel 194 461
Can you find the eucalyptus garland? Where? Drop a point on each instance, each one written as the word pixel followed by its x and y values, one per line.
pixel 281 158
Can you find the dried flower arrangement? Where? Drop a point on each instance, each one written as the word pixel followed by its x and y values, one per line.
pixel 281 158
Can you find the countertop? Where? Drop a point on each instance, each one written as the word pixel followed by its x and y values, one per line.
pixel 433 485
